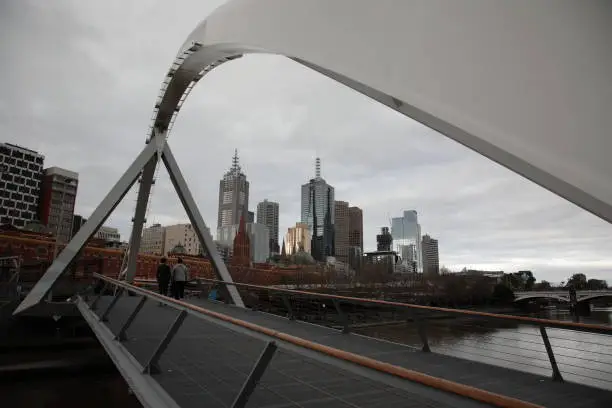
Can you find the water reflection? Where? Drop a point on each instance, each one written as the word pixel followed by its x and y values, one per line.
pixel 582 357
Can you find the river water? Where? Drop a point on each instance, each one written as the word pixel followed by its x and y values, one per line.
pixel 581 357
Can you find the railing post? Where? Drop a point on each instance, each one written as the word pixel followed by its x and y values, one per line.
pixel 287 303
pixel 422 331
pixel 256 373
pixel 152 366
pixel 94 304
pixel 121 334
pixel 551 356
pixel 343 317
pixel 112 304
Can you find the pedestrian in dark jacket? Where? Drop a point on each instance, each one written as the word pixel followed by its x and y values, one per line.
pixel 164 274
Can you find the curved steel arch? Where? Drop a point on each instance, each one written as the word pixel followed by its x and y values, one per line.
pixel 523 83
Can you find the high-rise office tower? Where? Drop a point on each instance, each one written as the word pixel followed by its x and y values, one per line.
pixel 20 178
pixel 57 199
pixel 406 230
pixel 318 213
pixel 267 214
pixel 233 196
pixel 341 230
pixel 356 228
pixel 431 257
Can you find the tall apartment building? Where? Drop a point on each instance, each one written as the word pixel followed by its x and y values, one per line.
pixel 341 230
pixel 20 178
pixel 298 239
pixel 431 257
pixel 406 230
pixel 233 196
pixel 356 228
pixel 109 234
pixel 153 239
pixel 57 199
pixel 318 213
pixel 268 214
pixel 250 216
pixel 184 235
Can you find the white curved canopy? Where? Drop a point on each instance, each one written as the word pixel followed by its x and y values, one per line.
pixel 525 83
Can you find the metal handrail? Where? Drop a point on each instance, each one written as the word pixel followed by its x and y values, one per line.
pixel 557 324
pixel 367 362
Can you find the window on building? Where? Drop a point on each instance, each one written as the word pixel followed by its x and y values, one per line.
pixel 227 197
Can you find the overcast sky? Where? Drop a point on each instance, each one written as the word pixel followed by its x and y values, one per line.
pixel 78 83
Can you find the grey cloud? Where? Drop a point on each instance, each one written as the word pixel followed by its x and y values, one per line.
pixel 80 79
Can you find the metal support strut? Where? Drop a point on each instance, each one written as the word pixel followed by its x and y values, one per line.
pixel 287 303
pixel 121 336
pixel 422 331
pixel 94 304
pixel 551 355
pixel 343 317
pixel 112 304
pixel 256 373
pixel 152 367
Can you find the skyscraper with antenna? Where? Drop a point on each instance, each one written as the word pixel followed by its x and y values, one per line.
pixel 233 195
pixel 318 212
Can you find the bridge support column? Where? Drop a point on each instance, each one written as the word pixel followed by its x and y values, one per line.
pixel 142 202
pixel 143 165
pixel 551 355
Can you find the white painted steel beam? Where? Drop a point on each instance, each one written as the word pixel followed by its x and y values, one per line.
pixel 524 83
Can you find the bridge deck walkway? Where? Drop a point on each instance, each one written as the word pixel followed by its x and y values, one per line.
pixel 206 364
pixel 197 350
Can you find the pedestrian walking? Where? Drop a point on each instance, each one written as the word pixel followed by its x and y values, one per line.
pixel 180 275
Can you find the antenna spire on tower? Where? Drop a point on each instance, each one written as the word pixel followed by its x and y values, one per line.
pixel 318 167
pixel 236 162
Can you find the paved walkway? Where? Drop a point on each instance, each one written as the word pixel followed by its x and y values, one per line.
pixel 206 363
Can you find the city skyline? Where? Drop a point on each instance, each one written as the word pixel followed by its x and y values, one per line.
pixel 280 116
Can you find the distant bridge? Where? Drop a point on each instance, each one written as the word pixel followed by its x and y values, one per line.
pixel 563 296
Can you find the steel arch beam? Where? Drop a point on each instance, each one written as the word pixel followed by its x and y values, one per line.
pixel 524 83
